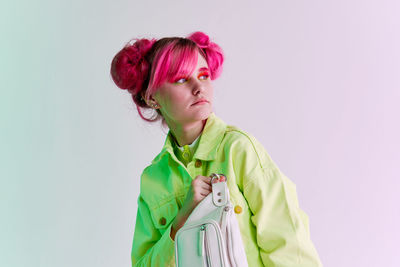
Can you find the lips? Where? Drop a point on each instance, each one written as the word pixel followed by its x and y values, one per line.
pixel 200 101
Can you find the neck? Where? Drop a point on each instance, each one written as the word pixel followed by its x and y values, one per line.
pixel 185 134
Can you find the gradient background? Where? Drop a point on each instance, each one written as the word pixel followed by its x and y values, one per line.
pixel 316 82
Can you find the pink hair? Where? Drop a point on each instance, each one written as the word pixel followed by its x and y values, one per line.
pixel 145 65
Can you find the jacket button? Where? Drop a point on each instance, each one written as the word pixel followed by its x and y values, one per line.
pixel 163 221
pixel 185 155
pixel 238 209
pixel 198 163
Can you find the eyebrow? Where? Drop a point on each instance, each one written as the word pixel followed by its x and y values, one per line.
pixel 203 69
pixel 183 74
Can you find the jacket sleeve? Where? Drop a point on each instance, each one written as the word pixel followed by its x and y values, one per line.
pixel 149 247
pixel 282 227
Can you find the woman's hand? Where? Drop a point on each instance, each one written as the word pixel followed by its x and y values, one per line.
pixel 199 189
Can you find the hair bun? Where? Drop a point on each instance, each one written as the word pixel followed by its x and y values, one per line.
pixel 200 38
pixel 214 53
pixel 129 67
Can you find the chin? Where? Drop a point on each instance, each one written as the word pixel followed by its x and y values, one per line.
pixel 204 114
pixel 201 114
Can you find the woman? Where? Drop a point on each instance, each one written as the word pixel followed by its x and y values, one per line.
pixel 173 77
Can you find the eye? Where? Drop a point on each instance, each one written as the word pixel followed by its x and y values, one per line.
pixel 181 80
pixel 204 76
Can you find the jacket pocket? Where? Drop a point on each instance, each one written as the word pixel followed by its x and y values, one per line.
pixel 163 215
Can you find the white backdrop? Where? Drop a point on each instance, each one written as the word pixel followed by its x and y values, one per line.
pixel 316 82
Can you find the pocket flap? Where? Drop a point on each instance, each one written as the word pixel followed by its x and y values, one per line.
pixel 164 215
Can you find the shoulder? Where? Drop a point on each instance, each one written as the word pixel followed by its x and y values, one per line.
pixel 245 144
pixel 156 189
pixel 251 160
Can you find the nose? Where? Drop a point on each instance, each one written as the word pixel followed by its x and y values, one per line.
pixel 198 87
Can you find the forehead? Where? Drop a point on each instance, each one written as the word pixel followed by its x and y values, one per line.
pixel 201 65
pixel 201 62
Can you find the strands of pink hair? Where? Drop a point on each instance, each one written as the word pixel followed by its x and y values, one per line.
pixel 172 62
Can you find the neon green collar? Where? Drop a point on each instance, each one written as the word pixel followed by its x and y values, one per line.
pixel 207 143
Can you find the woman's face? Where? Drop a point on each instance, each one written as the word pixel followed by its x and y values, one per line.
pixel 177 100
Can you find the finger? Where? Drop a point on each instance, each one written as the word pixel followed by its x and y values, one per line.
pixel 207 187
pixel 205 193
pixel 204 189
pixel 208 181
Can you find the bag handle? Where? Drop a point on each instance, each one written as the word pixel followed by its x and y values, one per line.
pixel 220 193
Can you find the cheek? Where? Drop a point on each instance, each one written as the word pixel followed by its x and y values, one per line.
pixel 172 102
pixel 175 100
pixel 210 90
pixel 178 98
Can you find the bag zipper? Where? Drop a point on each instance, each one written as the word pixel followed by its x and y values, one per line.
pixel 201 240
pixel 203 246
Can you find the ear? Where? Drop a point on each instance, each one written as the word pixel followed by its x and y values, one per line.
pixel 151 102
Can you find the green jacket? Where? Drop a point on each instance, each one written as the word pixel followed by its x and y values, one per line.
pixel 275 231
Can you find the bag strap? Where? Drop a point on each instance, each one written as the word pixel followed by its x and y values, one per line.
pixel 220 193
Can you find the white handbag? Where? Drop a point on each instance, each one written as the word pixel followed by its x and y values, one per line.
pixel 211 235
